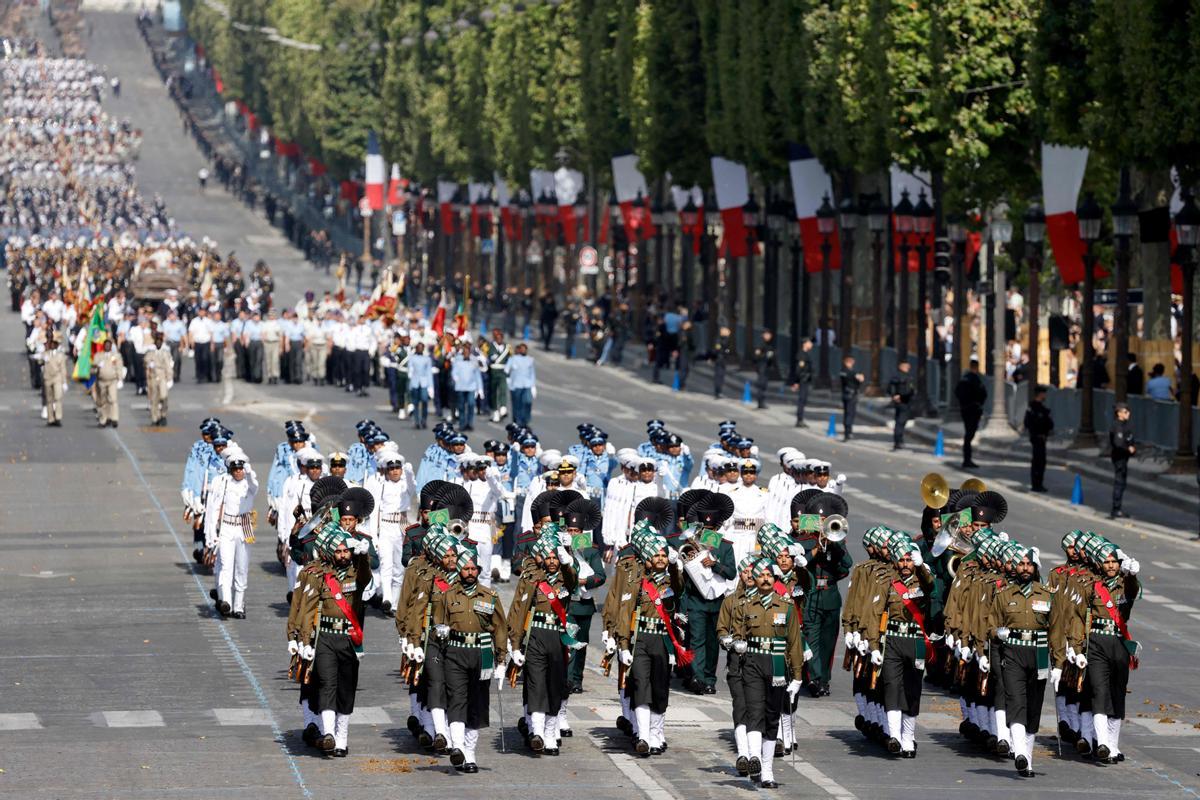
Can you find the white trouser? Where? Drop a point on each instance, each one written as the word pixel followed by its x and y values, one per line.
pixel 232 569
pixel 472 739
pixel 390 574
pixel 644 724
pixel 481 534
pixel 341 731
pixel 563 723
pixel 439 722
pixel 658 729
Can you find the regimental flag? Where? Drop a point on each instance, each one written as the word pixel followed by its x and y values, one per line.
pixel 460 320
pixel 629 185
pixel 1062 177
pixel 732 187
pixel 92 342
pixel 914 183
pixel 446 191
pixel 568 183
pixel 438 325
pixel 395 192
pixel 811 184
pixel 375 173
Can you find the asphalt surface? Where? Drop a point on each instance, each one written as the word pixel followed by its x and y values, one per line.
pixel 120 681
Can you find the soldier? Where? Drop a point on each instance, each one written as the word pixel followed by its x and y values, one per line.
pixel 828 564
pixel 803 380
pixel 328 619
pixel 468 621
pixel 851 383
pixel 1019 618
pixel 110 376
pixel 229 529
pixel 582 519
pixel 194 487
pixel 710 571
pixel 482 481
pixel 54 382
pixel 295 504
pixel 160 371
pixel 764 366
pixel 272 344
pixel 766 633
pixel 393 488
pixel 1039 424
pixel 722 350
pixel 498 356
pixel 745 592
pixel 900 389
pixel 316 350
pixel 283 466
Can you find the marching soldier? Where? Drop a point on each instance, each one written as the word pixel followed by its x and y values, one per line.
pixel 194 487
pixel 582 519
pixel 710 569
pixel 469 622
pixel 1063 582
pixel 229 530
pixel 498 356
pixel 393 487
pixel 828 564
pixel 160 371
pixel 295 504
pixel 283 466
pixel 110 376
pixel 730 610
pixel 54 381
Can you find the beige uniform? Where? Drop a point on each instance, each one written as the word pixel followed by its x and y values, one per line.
pixel 272 338
pixel 109 370
pixel 315 350
pixel 54 379
pixel 160 368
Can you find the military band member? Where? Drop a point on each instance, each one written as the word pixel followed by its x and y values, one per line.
pixel 710 570
pixel 469 622
pixel 828 563
pixel 792 582
pixel 229 530
pixel 582 520
pixel 730 608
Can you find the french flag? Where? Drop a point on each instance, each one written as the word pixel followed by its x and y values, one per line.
pixel 568 183
pixel 375 173
pixel 446 191
pixel 395 193
pixel 477 192
pixel 1062 177
pixel 811 184
pixel 629 184
pixel 504 201
pixel 732 187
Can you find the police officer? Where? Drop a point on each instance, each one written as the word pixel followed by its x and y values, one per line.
pixel 1122 448
pixel 851 383
pixel 971 394
pixel 1038 424
pixel 804 377
pixel 764 365
pixel 900 389
pixel 722 350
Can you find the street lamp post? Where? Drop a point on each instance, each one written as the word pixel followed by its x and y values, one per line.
pixel 826 223
pixel 877 221
pixel 750 218
pixel 714 283
pixel 848 217
pixel 1089 215
pixel 670 219
pixel 1035 233
pixel 1124 216
pixel 904 226
pixel 1000 232
pixel 1187 227
pixel 923 226
pixel 798 299
pixel 656 219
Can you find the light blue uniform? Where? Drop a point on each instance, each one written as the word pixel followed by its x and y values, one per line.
pixel 193 471
pixel 360 463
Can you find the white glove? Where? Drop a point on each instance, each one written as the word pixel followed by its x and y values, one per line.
pixel 404 645
pixel 120 384
pixel 726 642
pixel 964 652
pixel 862 647
pixel 563 556
pixel 564 538
pixel 841 478
pixel 1120 554
pixel 626 657
pixel 1081 661
pixel 917 560
pixel 877 658
pixel 798 555
pixel 672 555
pixel 533 392
pixel 170 384
pixel 1002 633
pixel 610 645
pixel 1070 653
pixel 1130 566
pixel 849 639
pixel 857 638
pixel 441 631
pixel 808 654
pixel 419 656
pixel 517 657
pixel 1055 677
pixel 479 393
pixel 739 646
pixel 308 652
pixel 792 689
pixel 429 391
pixel 984 664
pixel 950 642
pixel 293 647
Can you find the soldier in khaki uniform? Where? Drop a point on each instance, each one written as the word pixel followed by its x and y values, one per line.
pixel 867 580
pixel 110 373
pixel 54 381
pixel 272 338
pixel 468 622
pixel 730 608
pixel 315 351
pixel 160 369
pixel 1019 618
pixel 766 632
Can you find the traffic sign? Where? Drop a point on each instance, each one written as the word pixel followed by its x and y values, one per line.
pixel 588 257
pixel 364 207
pixel 1108 297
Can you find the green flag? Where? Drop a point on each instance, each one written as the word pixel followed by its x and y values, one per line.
pixel 96 335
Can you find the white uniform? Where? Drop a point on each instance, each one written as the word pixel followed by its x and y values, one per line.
pixel 485 497
pixel 295 493
pixel 226 525
pixel 393 503
pixel 749 513
pixel 616 510
pixel 780 491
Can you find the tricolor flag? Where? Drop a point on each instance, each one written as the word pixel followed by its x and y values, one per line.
pixel 395 192
pixel 629 185
pixel 914 183
pixel 504 201
pixel 446 191
pixel 438 325
pixel 477 193
pixel 1062 177
pixel 374 173
pixel 733 192
pixel 811 184
pixel 93 341
pixel 568 183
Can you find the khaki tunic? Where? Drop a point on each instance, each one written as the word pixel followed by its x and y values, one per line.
pixel 460 611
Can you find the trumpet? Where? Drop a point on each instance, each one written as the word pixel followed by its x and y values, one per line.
pixel 834 528
pixel 691 549
pixel 457 528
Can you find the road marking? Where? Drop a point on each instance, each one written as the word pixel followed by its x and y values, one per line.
pixel 19 722
pixel 831 787
pixel 1194 616
pixel 1154 598
pixel 631 770
pixel 129 719
pixel 1182 609
pixel 241 716
pixel 247 673
pixel 371 715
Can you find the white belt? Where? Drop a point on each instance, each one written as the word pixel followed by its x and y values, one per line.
pixel 396 518
pixel 483 516
pixel 747 524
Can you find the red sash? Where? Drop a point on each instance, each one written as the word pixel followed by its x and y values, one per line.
pixel 441 583
pixel 683 656
pixel 918 617
pixel 356 631
pixel 555 604
pixel 1111 607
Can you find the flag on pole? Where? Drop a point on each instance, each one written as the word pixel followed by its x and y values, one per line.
pixel 733 192
pixel 374 173
pixel 630 187
pixel 568 183
pixel 438 325
pixel 504 200
pixel 460 320
pixel 93 341
pixel 1062 177
pixel 477 193
pixel 395 193
pixel 811 184
pixel 446 191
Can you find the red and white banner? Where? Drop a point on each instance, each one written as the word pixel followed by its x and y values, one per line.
pixel 375 171
pixel 629 185
pixel 732 187
pixel 395 192
pixel 477 193
pixel 446 191
pixel 811 184
pixel 504 201
pixel 568 184
pixel 1062 177
pixel 914 183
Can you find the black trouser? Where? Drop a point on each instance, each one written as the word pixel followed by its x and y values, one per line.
pixel 718 378
pixel 650 674
pixel 254 361
pixel 702 637
pixel 1107 674
pixel 362 369
pixel 1023 689
pixel 203 353
pixel 431 688
pixel 466 694
pixel 900 677
pixel 849 412
pixel 764 700
pixel 218 362
pixel 545 671
pixel 801 401
pixel 901 411
pixel 337 672
pixel 762 385
pixel 970 425
pixel 139 371
pixel 737 687
pixel 241 361
pixel 547 326
pixel 174 348
pixel 1037 467
pixel 1120 475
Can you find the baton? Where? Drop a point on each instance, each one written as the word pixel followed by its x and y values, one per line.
pixel 500 705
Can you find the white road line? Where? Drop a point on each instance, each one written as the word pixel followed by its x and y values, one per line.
pixel 1183 609
pixel 1154 598
pixel 19 722
pixel 631 770
pixel 241 716
pixel 1194 616
pixel 129 719
pixel 831 787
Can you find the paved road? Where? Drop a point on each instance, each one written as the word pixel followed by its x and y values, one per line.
pixel 120 681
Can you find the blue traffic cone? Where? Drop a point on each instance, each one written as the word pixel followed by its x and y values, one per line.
pixel 483 328
pixel 747 395
pixel 675 383
pixel 1077 492
pixel 832 432
pixel 939 447
pixel 528 334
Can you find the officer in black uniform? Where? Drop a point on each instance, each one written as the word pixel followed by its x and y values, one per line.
pixel 971 394
pixel 901 390
pixel 764 364
pixel 1122 447
pixel 851 384
pixel 720 354
pixel 804 376
pixel 1038 424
